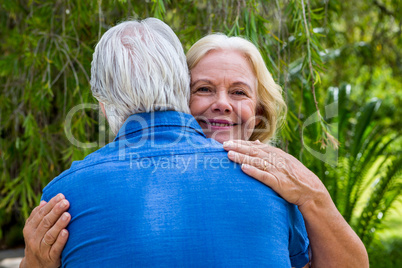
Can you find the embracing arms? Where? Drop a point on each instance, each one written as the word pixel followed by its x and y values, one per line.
pixel 332 240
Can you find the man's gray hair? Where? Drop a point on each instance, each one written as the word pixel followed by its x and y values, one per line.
pixel 139 66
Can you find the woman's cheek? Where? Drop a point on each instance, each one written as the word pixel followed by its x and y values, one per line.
pixel 198 104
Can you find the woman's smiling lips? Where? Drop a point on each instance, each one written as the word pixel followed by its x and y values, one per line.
pixel 216 124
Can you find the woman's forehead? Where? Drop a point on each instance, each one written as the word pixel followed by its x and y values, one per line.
pixel 224 64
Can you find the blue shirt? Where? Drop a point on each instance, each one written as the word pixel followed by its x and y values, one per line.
pixel 162 194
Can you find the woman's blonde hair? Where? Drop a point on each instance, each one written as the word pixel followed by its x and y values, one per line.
pixel 271 108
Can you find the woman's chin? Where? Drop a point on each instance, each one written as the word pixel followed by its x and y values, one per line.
pixel 221 138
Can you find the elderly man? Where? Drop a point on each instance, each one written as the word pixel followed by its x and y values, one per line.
pixel 162 194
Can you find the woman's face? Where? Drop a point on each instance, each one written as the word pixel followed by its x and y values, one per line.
pixel 224 95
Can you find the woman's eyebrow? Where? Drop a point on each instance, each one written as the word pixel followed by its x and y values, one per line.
pixel 210 82
pixel 242 84
pixel 201 80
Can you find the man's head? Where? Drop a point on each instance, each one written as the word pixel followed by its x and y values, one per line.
pixel 139 66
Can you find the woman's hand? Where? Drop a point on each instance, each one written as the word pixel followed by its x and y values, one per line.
pixel 332 240
pixel 45 234
pixel 280 171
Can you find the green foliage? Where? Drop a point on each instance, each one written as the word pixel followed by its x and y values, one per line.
pixel 367 180
pixel 386 255
pixel 311 47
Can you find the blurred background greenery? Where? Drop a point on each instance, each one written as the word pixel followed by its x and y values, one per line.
pixel 338 62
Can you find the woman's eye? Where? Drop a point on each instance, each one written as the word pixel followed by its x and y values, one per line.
pixel 240 92
pixel 202 89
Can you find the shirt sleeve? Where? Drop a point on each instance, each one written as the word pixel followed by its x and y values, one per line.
pixel 298 239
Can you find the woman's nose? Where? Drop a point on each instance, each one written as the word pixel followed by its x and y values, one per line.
pixel 222 104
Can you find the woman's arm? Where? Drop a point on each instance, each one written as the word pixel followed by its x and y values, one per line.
pixel 332 240
pixel 45 234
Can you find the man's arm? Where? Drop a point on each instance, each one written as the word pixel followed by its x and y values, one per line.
pixel 332 240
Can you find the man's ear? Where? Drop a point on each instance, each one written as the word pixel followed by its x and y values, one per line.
pixel 103 109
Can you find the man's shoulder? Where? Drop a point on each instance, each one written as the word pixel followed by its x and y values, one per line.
pixel 100 156
pixel 114 154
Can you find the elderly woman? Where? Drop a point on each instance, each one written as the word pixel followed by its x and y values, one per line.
pixel 236 102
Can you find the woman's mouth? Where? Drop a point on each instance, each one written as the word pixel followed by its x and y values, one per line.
pixel 218 124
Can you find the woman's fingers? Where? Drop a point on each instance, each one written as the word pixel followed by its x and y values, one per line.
pixel 244 147
pixel 58 246
pixel 286 175
pixel 52 235
pixel 262 160
pixel 34 212
pixel 277 172
pixel 50 221
pixel 257 162
pixel 262 176
pixel 38 214
pixel 256 149
pixel 257 168
pixel 44 233
pixel 30 225
pixel 250 147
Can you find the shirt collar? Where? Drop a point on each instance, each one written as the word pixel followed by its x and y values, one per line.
pixel 140 121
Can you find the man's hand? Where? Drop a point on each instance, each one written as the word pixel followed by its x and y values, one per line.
pixel 45 234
